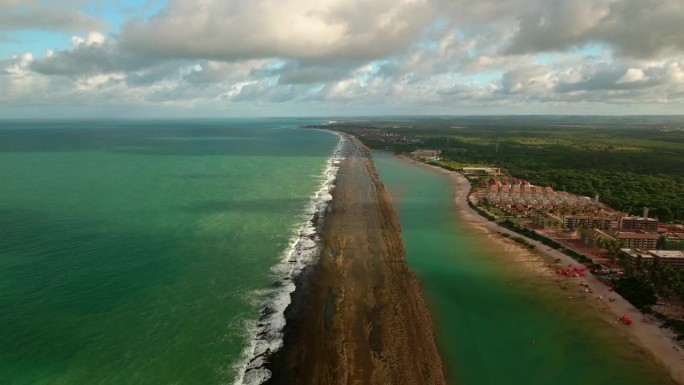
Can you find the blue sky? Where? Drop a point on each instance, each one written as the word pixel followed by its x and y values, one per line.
pixel 340 57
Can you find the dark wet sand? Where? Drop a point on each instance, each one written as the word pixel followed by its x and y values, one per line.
pixel 358 316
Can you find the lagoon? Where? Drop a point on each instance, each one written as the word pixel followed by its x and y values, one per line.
pixel 498 321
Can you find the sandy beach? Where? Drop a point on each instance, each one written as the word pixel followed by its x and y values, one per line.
pixel 358 316
pixel 655 343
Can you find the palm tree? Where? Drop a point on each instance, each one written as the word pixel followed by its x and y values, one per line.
pixel 614 249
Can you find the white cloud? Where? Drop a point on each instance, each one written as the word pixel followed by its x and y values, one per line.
pixel 632 75
pixel 295 29
pixel 403 55
pixel 92 38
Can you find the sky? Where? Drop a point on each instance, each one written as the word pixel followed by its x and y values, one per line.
pixel 214 58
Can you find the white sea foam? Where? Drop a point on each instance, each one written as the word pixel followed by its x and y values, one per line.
pixel 266 334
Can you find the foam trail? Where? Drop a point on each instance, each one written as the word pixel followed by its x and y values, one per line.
pixel 266 335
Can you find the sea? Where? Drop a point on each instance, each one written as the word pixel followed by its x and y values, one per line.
pixel 498 320
pixel 153 252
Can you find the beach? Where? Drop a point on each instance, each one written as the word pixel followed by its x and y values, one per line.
pixel 654 343
pixel 358 316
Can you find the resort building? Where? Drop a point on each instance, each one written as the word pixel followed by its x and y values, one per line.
pixel 639 223
pixel 673 258
pixel 640 240
pixel 545 207
pixel 635 240
pixel 547 221
pixel 431 155
pixel 635 257
pixel 595 237
pixel 481 171
pixel 573 222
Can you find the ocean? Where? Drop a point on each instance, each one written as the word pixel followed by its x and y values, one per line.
pixel 496 321
pixel 152 252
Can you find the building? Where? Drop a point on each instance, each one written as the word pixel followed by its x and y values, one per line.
pixel 427 154
pixel 673 241
pixel 673 258
pixel 595 238
pixel 481 170
pixel 547 221
pixel 574 222
pixel 639 223
pixel 672 236
pixel 634 257
pixel 635 240
pixel 640 240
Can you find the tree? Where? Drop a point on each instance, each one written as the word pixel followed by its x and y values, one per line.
pixel 637 289
pixel 613 247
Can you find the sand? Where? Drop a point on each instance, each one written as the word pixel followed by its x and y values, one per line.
pixel 358 316
pixel 658 344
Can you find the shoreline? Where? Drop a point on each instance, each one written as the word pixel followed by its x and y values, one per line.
pixel 267 334
pixel 358 315
pixel 657 343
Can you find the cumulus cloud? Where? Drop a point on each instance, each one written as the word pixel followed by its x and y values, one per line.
pixel 533 79
pixel 295 29
pixel 623 78
pixel 89 55
pixel 403 55
pixel 46 16
pixel 635 28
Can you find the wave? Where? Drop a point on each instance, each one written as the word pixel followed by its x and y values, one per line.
pixel 266 334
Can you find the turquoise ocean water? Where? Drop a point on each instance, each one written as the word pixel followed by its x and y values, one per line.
pixel 142 252
pixel 497 323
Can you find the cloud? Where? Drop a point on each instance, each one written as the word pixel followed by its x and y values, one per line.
pixel 425 56
pixel 305 72
pixel 532 79
pixel 90 55
pixel 34 15
pixel 621 79
pixel 294 29
pixel 634 28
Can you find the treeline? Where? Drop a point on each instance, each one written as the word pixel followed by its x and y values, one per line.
pixel 630 162
pixel 643 286
pixel 624 180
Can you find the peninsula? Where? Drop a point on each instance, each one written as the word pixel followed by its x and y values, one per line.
pixel 359 317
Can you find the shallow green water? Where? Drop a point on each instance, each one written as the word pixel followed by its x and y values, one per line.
pixel 497 323
pixel 134 252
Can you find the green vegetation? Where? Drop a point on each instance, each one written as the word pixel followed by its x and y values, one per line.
pixel 630 162
pixel 642 286
pixel 676 325
pixel 638 291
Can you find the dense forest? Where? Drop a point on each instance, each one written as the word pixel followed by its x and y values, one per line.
pixel 630 162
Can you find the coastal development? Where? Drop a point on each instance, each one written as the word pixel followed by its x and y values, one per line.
pixel 622 261
pixel 608 242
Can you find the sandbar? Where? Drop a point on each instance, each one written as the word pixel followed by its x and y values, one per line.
pixel 358 316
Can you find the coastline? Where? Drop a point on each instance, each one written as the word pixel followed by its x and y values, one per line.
pixel 657 344
pixel 268 333
pixel 358 315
